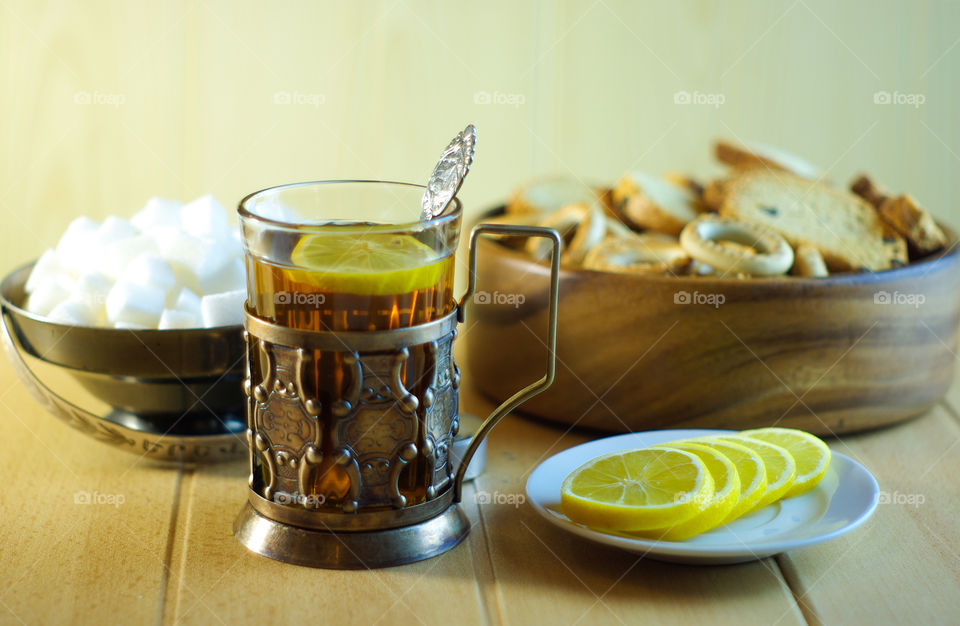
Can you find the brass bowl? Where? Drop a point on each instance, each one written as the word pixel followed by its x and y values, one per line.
pixel 634 352
pixel 168 394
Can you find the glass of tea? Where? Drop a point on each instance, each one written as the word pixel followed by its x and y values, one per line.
pixel 351 385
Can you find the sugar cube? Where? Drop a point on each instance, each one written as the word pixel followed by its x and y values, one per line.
pixel 115 228
pixel 223 309
pixel 92 287
pixel 158 213
pixel 204 218
pixel 76 312
pixel 46 268
pixel 75 250
pixel 49 293
pixel 187 301
pixel 172 318
pixel 193 254
pixel 150 269
pixel 128 326
pixel 114 257
pixel 135 304
pixel 230 277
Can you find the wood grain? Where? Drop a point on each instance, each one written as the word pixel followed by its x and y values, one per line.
pixel 903 564
pixel 638 352
pixel 63 559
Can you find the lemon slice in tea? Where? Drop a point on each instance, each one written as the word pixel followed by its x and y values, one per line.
pixel 373 264
pixel 637 489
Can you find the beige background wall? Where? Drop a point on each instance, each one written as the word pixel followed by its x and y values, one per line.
pixel 188 96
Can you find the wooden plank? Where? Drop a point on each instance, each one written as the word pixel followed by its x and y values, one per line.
pixel 84 527
pixel 904 563
pixel 544 575
pixel 215 579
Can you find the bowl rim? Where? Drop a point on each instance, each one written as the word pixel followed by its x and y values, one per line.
pixel 949 253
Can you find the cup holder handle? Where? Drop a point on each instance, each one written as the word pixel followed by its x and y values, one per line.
pixel 543 383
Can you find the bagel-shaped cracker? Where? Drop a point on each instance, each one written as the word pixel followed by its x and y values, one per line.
pixel 761 252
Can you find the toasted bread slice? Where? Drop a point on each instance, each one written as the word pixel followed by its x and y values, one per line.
pixel 758 155
pixel 652 203
pixel 843 227
pixel 868 190
pixel 550 194
pixel 914 222
pixel 808 262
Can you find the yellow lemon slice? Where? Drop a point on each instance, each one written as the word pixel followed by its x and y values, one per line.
pixel 809 451
pixel 779 464
pixel 726 482
pixel 374 264
pixel 750 469
pixel 637 489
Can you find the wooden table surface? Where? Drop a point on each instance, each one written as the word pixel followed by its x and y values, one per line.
pixel 163 550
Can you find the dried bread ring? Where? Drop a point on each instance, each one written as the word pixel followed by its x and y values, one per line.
pixel 809 262
pixel 581 227
pixel 639 254
pixel 764 252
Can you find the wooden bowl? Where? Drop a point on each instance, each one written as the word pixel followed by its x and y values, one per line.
pixel 830 355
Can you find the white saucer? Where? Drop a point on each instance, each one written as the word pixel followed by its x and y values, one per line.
pixel 843 500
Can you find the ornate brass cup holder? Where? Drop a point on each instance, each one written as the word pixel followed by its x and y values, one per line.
pixel 385 437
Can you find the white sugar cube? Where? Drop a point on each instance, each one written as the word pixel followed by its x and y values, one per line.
pixel 135 304
pixel 115 228
pixel 158 213
pixel 172 318
pixel 77 246
pixel 76 312
pixel 223 309
pixel 114 257
pixel 204 218
pixel 193 254
pixel 92 287
pixel 49 293
pixel 233 244
pixel 46 268
pixel 150 269
pixel 186 301
pixel 230 277
pixel 128 326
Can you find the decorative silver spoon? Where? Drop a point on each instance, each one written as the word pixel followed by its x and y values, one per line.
pixel 449 173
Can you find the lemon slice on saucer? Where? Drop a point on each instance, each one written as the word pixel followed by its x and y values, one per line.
pixel 750 469
pixel 780 468
pixel 373 264
pixel 637 489
pixel 809 451
pixel 726 482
